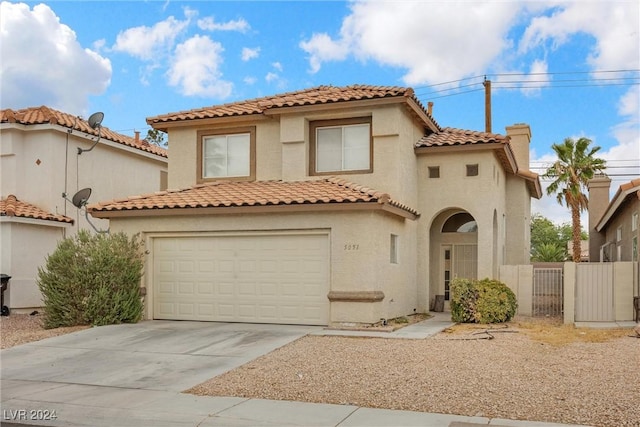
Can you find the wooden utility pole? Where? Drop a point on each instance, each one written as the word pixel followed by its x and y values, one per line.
pixel 487 105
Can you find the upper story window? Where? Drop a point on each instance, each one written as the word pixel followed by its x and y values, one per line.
pixel 634 221
pixel 434 171
pixel 341 146
pixel 226 154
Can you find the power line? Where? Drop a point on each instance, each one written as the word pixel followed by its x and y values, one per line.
pixel 423 91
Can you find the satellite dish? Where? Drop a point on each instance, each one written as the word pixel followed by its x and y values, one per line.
pixel 95 120
pixel 81 197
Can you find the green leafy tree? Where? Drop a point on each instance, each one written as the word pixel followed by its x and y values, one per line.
pixel 155 136
pixel 575 166
pixel 549 240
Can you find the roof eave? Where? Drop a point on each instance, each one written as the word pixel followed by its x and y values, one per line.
pixel 621 196
pixel 255 209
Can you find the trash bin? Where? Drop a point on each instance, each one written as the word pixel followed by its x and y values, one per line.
pixel 4 280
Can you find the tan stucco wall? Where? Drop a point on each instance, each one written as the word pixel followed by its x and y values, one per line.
pixel 40 162
pixel 482 196
pixel 623 283
pixel 517 220
pixel 622 219
pixel 282 149
pixel 519 278
pixel 25 246
pixel 366 268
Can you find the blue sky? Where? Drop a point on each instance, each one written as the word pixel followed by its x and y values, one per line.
pixel 567 68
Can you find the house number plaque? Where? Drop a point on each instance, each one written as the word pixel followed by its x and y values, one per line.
pixel 351 247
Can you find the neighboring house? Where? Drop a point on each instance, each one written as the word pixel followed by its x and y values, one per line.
pixel 39 162
pixel 331 204
pixel 614 228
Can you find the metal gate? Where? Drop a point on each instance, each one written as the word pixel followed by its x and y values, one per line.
pixel 594 292
pixel 548 291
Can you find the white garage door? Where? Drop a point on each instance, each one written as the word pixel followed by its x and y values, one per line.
pixel 280 278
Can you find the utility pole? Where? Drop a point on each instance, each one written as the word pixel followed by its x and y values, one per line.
pixel 487 104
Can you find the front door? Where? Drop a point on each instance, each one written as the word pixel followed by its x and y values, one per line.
pixel 458 260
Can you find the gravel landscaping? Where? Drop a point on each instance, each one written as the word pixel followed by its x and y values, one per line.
pixel 530 371
pixel 19 329
pixel 527 373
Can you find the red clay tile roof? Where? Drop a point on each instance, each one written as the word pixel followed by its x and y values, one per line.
pixel 451 136
pixel 43 114
pixel 11 206
pixel 313 96
pixel 221 194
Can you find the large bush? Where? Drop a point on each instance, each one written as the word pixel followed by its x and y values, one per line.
pixel 481 301
pixel 93 279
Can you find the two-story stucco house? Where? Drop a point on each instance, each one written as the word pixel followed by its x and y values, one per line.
pixel 39 162
pixel 326 205
pixel 614 225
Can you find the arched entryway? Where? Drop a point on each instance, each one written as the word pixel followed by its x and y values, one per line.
pixel 453 249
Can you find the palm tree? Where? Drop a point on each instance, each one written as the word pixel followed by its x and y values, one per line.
pixel 549 252
pixel 570 173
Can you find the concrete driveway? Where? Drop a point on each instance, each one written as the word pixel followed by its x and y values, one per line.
pixel 151 355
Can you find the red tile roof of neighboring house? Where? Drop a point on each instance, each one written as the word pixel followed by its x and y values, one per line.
pixel 11 206
pixel 221 194
pixel 314 96
pixel 450 136
pixel 44 115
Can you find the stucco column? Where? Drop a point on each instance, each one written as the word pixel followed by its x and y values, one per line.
pixel 598 202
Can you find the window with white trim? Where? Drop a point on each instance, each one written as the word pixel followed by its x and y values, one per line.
pixel 634 221
pixel 618 234
pixel 341 146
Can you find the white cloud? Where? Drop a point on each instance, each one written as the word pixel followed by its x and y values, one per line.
pixel 44 64
pixel 250 53
pixel 151 43
pixel 209 24
pixel 421 37
pixel 277 66
pixel 250 80
pixel 614 26
pixel 195 69
pixel 271 77
pixel 322 49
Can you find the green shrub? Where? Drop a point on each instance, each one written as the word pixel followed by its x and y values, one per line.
pixel 481 301
pixel 93 279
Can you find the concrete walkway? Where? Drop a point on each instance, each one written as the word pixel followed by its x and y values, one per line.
pixel 133 375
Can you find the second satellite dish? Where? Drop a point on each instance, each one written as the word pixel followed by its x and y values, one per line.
pixel 81 198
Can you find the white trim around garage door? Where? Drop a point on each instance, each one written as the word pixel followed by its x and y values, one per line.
pixel 252 276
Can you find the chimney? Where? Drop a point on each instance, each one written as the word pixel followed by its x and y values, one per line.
pixel 137 136
pixel 430 108
pixel 598 187
pixel 520 138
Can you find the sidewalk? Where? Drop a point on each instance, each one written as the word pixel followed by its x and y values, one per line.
pixel 94 406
